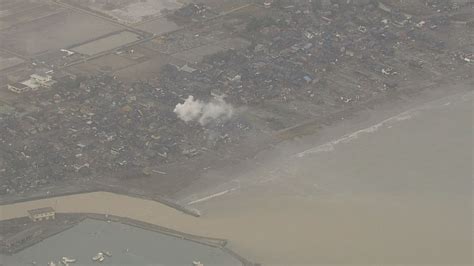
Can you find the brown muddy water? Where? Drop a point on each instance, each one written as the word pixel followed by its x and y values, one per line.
pixel 398 192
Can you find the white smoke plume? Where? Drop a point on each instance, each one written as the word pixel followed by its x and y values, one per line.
pixel 202 112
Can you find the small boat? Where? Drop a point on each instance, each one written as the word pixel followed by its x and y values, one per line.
pixel 67 260
pixel 99 256
pixel 101 259
pixel 107 253
pixel 51 263
pixel 197 263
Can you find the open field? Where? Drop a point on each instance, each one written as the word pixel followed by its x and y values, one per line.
pixel 128 12
pixel 106 43
pixel 148 69
pixel 222 6
pixel 196 55
pixel 158 26
pixel 7 61
pixel 14 12
pixel 112 62
pixel 53 32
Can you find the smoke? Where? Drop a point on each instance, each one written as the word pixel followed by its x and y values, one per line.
pixel 189 110
pixel 204 113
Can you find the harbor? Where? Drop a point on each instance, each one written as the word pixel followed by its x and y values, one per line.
pixel 104 239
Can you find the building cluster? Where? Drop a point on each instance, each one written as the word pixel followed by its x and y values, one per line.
pixel 99 126
pixel 327 53
pixel 42 214
pixel 305 58
pixel 193 12
pixel 35 82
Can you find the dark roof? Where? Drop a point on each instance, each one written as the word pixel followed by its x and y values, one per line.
pixel 40 210
pixel 18 85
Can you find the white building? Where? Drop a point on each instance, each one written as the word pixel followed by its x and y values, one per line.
pixel 46 213
pixel 267 3
pixel 37 81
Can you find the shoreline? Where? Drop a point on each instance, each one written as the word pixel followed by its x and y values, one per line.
pixel 338 126
pixel 223 215
pixel 321 131
pixel 158 199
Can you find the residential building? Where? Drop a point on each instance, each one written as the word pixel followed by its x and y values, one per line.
pixel 40 214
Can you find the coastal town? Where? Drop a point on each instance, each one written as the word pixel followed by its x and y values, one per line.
pixel 142 97
pixel 84 112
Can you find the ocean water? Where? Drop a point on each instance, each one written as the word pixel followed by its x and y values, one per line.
pixel 396 192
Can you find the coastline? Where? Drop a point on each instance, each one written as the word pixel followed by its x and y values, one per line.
pixel 227 212
pixel 323 130
pixel 335 127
